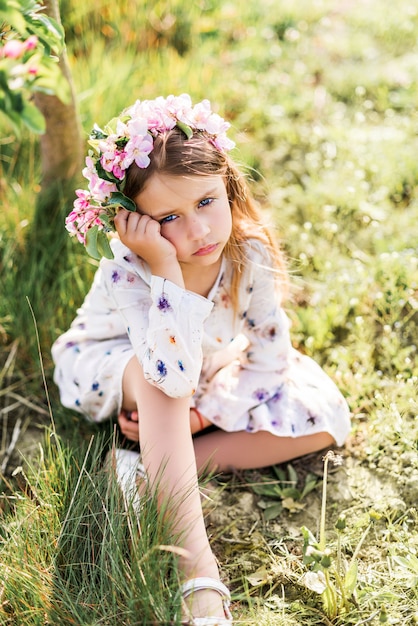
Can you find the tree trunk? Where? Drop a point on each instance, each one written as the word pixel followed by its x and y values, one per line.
pixel 61 147
pixel 45 258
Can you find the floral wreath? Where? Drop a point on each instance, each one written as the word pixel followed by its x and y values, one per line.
pixel 127 139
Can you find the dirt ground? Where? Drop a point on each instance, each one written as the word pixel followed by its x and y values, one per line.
pixel 22 430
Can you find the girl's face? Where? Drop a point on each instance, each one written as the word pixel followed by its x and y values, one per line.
pixel 194 215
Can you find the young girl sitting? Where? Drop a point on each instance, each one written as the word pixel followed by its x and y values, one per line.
pixel 183 328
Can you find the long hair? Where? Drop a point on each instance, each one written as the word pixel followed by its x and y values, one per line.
pixel 175 155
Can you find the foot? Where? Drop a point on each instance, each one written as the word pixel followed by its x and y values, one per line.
pixel 129 472
pixel 210 602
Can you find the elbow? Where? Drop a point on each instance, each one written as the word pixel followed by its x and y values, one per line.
pixel 179 392
pixel 172 384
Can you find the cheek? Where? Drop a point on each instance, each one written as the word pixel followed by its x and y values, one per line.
pixel 226 217
pixel 172 234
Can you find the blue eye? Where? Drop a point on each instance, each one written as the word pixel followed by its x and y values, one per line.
pixel 205 202
pixel 169 218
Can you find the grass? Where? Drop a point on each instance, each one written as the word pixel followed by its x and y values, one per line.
pixel 322 100
pixel 78 556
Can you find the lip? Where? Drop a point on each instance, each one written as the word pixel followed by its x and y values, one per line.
pixel 206 250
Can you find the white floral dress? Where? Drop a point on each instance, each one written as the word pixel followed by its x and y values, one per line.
pixel 240 370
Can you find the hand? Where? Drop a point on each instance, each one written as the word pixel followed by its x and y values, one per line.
pixel 128 423
pixel 142 235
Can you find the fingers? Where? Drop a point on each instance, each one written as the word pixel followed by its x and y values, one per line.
pixel 120 220
pixel 131 222
pixel 126 221
pixel 129 415
pixel 134 416
pixel 140 233
pixel 129 427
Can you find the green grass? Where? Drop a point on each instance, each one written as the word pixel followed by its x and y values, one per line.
pixel 322 100
pixel 74 552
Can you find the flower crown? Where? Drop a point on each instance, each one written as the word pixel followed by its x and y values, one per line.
pixel 127 139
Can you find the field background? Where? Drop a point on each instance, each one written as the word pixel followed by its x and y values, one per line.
pixel 322 99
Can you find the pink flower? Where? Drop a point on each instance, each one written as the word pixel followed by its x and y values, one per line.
pixel 31 42
pixel 117 170
pixel 13 49
pixel 130 139
pixel 222 143
pixel 215 125
pixel 137 126
pixel 101 189
pixel 83 200
pixel 90 218
pixel 180 108
pixel 137 149
pixel 71 217
pixel 107 159
pixel 112 158
pixel 90 168
pixel 201 114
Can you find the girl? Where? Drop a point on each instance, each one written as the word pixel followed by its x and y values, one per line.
pixel 183 328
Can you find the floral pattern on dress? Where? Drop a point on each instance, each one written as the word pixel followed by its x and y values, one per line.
pixel 240 371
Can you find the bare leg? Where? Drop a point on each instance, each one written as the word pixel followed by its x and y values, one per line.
pixel 169 459
pixel 128 423
pixel 223 451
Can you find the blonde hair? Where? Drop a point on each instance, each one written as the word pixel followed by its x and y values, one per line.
pixel 175 155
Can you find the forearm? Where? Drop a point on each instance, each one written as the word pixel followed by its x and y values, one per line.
pixel 170 271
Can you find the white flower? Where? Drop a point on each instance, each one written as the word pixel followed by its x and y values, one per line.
pixel 315 581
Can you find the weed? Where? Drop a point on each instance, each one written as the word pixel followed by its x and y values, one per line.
pixel 283 492
pixel 329 574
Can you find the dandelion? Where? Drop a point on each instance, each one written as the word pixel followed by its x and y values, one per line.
pixel 336 459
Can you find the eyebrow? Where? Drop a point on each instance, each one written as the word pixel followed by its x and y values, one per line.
pixel 208 193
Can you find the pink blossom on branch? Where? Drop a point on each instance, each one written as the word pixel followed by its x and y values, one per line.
pixel 13 49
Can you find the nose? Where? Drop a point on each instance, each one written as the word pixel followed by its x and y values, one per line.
pixel 198 228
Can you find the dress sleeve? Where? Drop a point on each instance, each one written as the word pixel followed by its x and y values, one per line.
pixel 165 325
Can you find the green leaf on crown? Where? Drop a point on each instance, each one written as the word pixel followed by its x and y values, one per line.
pixel 104 174
pixel 111 127
pixel 91 242
pixel 186 129
pixel 97 244
pixel 117 198
pixel 103 245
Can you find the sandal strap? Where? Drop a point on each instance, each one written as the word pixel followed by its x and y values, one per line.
pixel 206 582
pixel 210 621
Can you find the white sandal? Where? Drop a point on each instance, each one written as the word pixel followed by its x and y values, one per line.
pixel 198 584
pixel 129 469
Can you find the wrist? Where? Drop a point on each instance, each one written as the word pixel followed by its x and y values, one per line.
pixel 171 271
pixel 200 422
